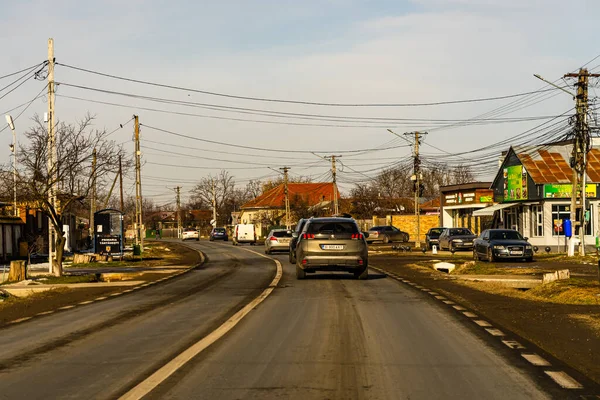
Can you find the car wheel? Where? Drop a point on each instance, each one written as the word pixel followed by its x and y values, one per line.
pixel 490 255
pixel 386 239
pixel 362 274
pixel 475 255
pixel 300 273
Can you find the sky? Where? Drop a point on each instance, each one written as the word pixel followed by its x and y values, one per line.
pixel 329 51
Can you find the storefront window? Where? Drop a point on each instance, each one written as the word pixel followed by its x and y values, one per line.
pixel 559 214
pixel 537 221
pixel 512 221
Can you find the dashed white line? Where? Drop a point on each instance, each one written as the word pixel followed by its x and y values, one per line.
pixel 449 302
pixel 513 344
pixel 459 308
pixel 66 307
pixel 116 294
pixel 16 321
pixel 494 332
pixel 469 314
pixel 433 293
pixel 535 360
pixel 46 313
pixel 482 323
pixel 564 380
pixel 100 298
pixel 440 297
pixel 83 303
pixel 128 291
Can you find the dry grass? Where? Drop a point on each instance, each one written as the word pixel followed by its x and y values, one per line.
pixel 592 321
pixel 35 297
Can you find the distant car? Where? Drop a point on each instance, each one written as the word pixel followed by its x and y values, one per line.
pixel 332 244
pixel 294 240
pixel 244 233
pixel 218 234
pixel 495 244
pixel 278 240
pixel 190 234
pixel 456 239
pixel 432 237
pixel 387 234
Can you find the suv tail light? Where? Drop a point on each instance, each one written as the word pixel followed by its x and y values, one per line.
pixel 308 236
pixel 357 236
pixel 273 238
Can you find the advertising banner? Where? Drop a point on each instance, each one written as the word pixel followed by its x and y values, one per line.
pixel 564 191
pixel 108 245
pixel 515 183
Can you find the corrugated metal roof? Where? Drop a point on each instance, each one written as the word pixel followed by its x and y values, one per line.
pixel 550 163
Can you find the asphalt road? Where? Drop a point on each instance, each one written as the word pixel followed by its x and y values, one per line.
pixel 326 337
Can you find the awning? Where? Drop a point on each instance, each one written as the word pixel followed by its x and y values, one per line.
pixel 489 211
pixel 459 206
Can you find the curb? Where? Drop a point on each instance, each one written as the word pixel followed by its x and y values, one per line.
pixel 113 295
pixel 561 378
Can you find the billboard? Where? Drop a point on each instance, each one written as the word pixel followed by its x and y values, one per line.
pixel 515 183
pixel 564 191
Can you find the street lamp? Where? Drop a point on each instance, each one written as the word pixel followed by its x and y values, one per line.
pixel 13 148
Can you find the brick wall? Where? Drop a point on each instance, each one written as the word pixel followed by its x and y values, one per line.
pixel 408 223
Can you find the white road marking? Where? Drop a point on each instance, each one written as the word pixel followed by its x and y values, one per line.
pixel 481 322
pixel 459 308
pixel 147 385
pixel 66 307
pixel 116 294
pixel 16 321
pixel 440 297
pixel 83 303
pixel 494 332
pixel 469 314
pixel 535 360
pixel 128 291
pixel 433 293
pixel 513 344
pixel 564 380
pixel 449 302
pixel 46 313
pixel 100 298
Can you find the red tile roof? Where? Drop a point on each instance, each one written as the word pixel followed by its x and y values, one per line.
pixel 433 204
pixel 311 193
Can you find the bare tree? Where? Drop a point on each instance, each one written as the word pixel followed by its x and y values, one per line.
pixel 365 201
pixel 462 174
pixel 72 172
pixel 224 187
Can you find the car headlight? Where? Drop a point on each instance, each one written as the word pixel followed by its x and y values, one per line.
pixel 457 240
pixel 499 247
pixel 528 247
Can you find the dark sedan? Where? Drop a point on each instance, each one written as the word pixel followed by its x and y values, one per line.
pixel 387 234
pixel 456 239
pixel 218 234
pixel 432 238
pixel 494 244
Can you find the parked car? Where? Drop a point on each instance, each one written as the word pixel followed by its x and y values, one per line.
pixel 456 239
pixel 244 233
pixel 495 244
pixel 218 234
pixel 332 244
pixel 190 234
pixel 278 240
pixel 432 237
pixel 294 239
pixel 387 234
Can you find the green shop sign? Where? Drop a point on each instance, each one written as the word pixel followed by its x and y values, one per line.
pixel 515 183
pixel 564 191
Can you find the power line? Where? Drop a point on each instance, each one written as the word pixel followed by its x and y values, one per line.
pixel 23 70
pixel 297 101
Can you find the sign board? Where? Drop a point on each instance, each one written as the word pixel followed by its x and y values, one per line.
pixel 486 199
pixel 108 245
pixel 564 191
pixel 515 183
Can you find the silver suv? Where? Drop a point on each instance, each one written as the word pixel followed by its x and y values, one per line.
pixel 332 244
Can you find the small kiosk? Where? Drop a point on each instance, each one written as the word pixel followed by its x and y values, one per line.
pixel 108 232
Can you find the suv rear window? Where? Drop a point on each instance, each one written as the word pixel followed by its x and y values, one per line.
pixel 221 230
pixel 189 230
pixel 282 234
pixel 332 227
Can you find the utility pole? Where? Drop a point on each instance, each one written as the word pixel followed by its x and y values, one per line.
pixel 121 183
pixel 139 237
pixel 51 150
pixel 178 191
pixel 93 198
pixel 287 197
pixel 13 149
pixel 416 178
pixel 214 202
pixel 581 146
pixel 336 209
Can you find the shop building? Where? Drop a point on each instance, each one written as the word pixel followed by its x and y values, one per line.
pixel 460 202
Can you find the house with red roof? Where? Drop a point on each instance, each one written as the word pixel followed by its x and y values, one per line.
pixel 306 199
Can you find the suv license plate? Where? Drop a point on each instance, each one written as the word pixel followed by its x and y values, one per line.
pixel 516 253
pixel 332 246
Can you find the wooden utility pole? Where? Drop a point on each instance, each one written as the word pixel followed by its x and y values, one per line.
pixel 93 198
pixel 416 178
pixel 51 155
pixel 336 209
pixel 121 183
pixel 287 197
pixel 214 202
pixel 178 191
pixel 581 146
pixel 139 233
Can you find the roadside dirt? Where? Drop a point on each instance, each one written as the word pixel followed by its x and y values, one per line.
pixel 569 332
pixel 13 308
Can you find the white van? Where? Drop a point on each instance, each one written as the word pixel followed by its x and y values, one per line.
pixel 244 233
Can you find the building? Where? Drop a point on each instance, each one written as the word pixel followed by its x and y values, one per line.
pixel 533 191
pixel 459 204
pixel 268 209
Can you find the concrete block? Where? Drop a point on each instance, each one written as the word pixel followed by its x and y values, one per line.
pixel 444 267
pixel 556 275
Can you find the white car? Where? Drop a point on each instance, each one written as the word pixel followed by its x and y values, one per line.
pixel 190 234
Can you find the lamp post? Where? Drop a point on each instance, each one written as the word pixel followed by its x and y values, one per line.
pixel 13 148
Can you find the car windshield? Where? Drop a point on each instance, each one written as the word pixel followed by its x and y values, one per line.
pixel 332 227
pixel 460 231
pixel 281 234
pixel 505 235
pixel 436 231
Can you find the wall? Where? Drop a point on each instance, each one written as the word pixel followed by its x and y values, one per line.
pixel 408 223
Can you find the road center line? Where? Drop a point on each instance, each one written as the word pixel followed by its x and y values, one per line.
pixel 150 383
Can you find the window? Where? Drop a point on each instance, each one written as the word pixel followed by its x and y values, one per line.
pixel 511 220
pixel 537 221
pixel 332 227
pixel 560 213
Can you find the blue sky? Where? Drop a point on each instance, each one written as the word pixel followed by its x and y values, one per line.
pixel 326 51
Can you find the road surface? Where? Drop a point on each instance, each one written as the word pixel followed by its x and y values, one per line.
pixel 326 337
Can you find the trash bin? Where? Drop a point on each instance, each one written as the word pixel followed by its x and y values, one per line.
pixel 137 250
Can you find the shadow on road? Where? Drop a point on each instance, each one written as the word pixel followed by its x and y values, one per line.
pixel 342 276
